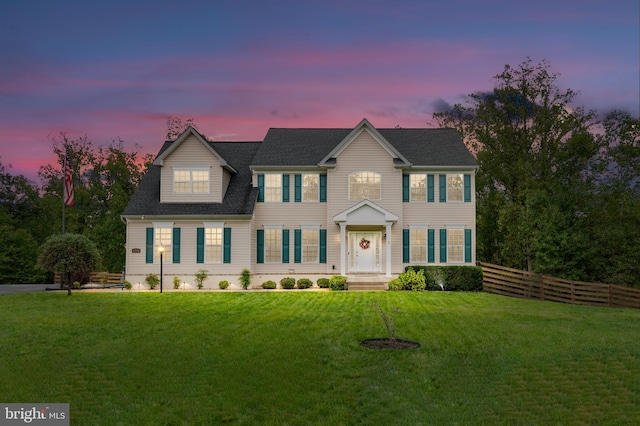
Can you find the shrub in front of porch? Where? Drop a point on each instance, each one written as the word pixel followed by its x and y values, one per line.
pixel 338 282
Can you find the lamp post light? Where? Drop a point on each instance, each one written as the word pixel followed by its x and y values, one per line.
pixel 161 250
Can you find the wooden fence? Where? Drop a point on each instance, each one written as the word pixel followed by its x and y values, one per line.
pixel 106 279
pixel 528 285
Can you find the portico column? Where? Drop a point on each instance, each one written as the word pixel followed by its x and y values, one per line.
pixel 343 249
pixel 388 271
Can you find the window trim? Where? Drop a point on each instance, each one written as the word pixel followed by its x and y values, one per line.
pixel 372 173
pixel 191 169
pixel 277 229
pixel 277 178
pixel 424 228
pixel 456 188
pixel 316 230
pixel 411 187
pixel 461 246
pixel 303 186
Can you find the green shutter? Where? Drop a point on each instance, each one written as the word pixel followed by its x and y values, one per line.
pixel 443 188
pixel 285 246
pixel 285 188
pixel 467 188
pixel 176 245
pixel 431 250
pixel 200 245
pixel 405 189
pixel 261 188
pixel 297 245
pixel 298 188
pixel 149 252
pixel 405 246
pixel 323 246
pixel 260 247
pixel 443 246
pixel 430 191
pixel 226 244
pixel 467 245
pixel 323 188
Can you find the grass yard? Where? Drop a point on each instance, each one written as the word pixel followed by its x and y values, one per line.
pixel 127 358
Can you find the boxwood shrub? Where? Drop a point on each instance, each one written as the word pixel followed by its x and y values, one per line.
pixel 304 283
pixel 451 278
pixel 323 282
pixel 269 285
pixel 288 283
pixel 338 282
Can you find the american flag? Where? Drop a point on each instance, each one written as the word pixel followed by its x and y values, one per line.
pixel 68 197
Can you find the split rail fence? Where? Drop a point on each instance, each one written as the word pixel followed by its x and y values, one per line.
pixel 528 285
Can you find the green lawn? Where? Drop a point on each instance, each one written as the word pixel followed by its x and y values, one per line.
pixel 295 358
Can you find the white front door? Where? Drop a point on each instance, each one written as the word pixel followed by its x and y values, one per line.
pixel 364 252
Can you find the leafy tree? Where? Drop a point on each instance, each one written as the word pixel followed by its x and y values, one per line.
pixel 69 253
pixel 175 127
pixel 528 140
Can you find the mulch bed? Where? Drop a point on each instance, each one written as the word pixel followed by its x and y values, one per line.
pixel 389 344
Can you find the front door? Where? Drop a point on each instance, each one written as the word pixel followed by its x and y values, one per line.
pixel 364 252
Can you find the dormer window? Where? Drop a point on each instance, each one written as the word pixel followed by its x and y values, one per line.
pixel 190 180
pixel 364 185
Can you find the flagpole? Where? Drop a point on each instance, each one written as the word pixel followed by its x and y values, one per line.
pixel 64 171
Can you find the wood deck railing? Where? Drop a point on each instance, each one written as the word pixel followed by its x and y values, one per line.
pixel 527 285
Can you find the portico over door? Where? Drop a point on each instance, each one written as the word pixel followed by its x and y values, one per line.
pixel 361 250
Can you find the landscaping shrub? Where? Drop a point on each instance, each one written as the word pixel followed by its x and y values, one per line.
pixel 176 283
pixel 152 280
pixel 127 285
pixel 412 279
pixel 245 278
pixel 323 282
pixel 223 285
pixel 452 278
pixel 269 285
pixel 396 285
pixel 338 282
pixel 201 276
pixel 288 283
pixel 304 283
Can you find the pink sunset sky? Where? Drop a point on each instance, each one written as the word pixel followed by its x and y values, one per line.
pixel 119 69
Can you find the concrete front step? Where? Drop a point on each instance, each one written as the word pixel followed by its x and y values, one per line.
pixel 366 283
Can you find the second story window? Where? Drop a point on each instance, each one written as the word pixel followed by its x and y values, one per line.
pixel 310 187
pixel 272 187
pixel 418 187
pixel 364 185
pixel 190 180
pixel 455 187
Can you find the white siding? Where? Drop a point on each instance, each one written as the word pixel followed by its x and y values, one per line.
pixel 137 268
pixel 192 153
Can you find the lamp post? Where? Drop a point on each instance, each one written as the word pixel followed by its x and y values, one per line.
pixel 161 250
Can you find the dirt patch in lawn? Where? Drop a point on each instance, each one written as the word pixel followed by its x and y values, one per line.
pixel 389 344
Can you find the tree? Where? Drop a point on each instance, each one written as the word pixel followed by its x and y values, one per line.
pixel 175 127
pixel 69 253
pixel 528 139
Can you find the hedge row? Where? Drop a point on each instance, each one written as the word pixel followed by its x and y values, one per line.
pixel 451 278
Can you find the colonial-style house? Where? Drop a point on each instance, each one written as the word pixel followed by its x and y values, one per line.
pixel 305 203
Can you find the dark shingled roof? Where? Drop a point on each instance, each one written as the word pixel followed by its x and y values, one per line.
pixel 239 199
pixel 294 147
pixel 308 147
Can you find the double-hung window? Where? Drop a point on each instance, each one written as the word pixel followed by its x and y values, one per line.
pixel 455 186
pixel 272 187
pixel 213 239
pixel 190 180
pixel 310 187
pixel 310 244
pixel 418 185
pixel 364 185
pixel 418 238
pixel 162 238
pixel 273 245
pixel 455 245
